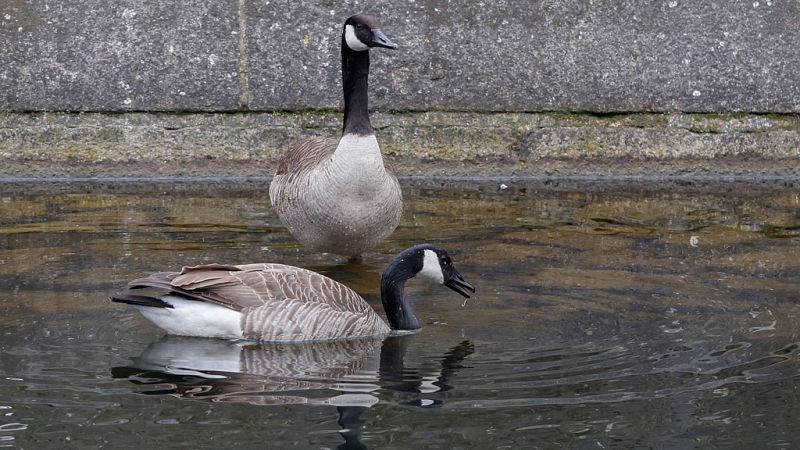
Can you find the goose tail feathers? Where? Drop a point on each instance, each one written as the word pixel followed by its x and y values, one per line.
pixel 140 300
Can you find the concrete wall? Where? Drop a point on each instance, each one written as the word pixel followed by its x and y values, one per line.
pixel 459 56
pixel 506 55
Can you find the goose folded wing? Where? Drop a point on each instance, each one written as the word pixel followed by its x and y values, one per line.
pixel 305 155
pixel 206 283
pixel 278 282
pixel 254 285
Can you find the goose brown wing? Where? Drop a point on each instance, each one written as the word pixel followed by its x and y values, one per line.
pixel 194 291
pixel 278 282
pixel 304 155
pixel 255 285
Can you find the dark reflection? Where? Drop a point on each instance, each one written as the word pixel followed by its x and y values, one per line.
pixel 351 422
pixel 393 369
pixel 255 373
pixel 348 374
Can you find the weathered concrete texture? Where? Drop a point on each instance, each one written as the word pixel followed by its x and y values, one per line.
pixel 522 55
pixel 450 144
pixel 96 55
pixel 505 55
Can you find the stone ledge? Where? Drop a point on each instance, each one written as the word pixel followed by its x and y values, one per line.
pixel 436 143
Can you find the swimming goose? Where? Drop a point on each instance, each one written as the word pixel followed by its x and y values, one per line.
pixel 342 198
pixel 279 303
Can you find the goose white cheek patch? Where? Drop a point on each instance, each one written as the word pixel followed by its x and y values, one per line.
pixel 431 269
pixel 352 41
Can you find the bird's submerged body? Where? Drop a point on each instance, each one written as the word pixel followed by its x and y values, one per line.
pixel 260 302
pixel 185 317
pixel 337 198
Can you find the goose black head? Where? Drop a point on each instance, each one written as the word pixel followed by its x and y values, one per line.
pixel 424 261
pixel 362 31
pixel 438 267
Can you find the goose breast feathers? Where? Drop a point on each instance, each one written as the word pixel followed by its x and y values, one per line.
pixel 339 198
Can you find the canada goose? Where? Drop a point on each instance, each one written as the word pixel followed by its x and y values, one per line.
pixel 342 198
pixel 277 303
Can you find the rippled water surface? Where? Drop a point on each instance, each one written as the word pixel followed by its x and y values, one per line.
pixel 610 315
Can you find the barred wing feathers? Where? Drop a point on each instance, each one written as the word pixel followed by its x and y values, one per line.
pixel 305 155
pixel 277 302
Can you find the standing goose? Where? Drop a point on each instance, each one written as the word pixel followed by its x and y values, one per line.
pixel 342 198
pixel 277 303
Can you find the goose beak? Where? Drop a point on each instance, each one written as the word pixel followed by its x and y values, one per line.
pixel 458 284
pixel 380 40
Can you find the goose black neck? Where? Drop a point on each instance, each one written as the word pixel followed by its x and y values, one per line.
pixel 393 281
pixel 355 72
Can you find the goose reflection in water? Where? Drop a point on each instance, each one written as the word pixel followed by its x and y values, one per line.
pixel 293 373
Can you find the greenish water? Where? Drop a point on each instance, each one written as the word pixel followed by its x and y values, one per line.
pixel 608 315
